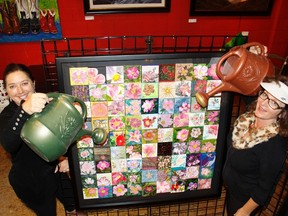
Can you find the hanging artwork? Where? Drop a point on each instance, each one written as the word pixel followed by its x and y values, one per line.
pixel 162 145
pixel 231 7
pixel 125 6
pixel 29 20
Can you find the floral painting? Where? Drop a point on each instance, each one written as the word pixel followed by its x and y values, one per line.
pixel 160 140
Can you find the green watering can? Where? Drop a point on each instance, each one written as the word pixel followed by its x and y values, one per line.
pixel 50 132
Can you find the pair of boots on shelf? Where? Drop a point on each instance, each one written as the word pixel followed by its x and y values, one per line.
pixel 47 21
pixel 29 16
pixel 10 20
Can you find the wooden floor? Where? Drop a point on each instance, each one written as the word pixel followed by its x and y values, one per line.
pixel 10 205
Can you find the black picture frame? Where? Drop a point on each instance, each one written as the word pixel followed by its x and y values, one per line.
pixel 65 63
pixel 231 7
pixel 111 6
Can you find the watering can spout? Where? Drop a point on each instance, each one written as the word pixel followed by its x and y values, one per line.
pixel 202 97
pixel 240 71
pixel 98 135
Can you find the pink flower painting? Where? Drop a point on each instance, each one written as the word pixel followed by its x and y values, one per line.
pixel 148 106
pixel 133 90
pixel 149 150
pixel 132 73
pixel 134 136
pixel 115 92
pixel 99 109
pixel 212 72
pixel 181 120
pixel 87 167
pixel 135 189
pixel 89 193
pixel 165 120
pixel 119 190
pixel 78 76
pixel 200 71
pixel 194 146
pixel 116 123
pixel 103 191
pixel 163 187
pixel 182 135
pixel 150 73
pixel 94 77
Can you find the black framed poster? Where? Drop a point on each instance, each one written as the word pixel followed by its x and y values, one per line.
pixel 231 7
pixel 162 145
pixel 120 6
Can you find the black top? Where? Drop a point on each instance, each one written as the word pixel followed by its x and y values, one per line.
pixel 254 173
pixel 30 176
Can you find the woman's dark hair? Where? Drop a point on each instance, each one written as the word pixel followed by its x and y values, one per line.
pixel 283 116
pixel 10 68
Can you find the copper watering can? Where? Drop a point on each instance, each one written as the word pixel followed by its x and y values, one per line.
pixel 52 131
pixel 241 71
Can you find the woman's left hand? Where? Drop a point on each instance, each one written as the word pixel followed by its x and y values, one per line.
pixel 63 166
pixel 241 212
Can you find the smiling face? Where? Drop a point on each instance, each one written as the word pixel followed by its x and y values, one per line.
pixel 264 111
pixel 19 86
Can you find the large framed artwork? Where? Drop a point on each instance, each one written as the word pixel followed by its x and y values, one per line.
pixel 126 6
pixel 162 145
pixel 231 7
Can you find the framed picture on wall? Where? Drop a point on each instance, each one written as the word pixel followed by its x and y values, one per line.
pixel 231 7
pixel 125 6
pixel 162 145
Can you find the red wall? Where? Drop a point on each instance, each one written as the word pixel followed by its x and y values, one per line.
pixel 271 31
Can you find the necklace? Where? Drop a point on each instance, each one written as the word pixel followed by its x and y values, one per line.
pixel 251 129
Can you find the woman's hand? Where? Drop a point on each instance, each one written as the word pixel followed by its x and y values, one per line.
pixel 241 212
pixel 35 103
pixel 63 166
pixel 247 208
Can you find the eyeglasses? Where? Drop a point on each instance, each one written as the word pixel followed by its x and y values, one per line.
pixel 272 104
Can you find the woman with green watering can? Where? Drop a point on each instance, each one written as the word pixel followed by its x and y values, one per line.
pixel 35 181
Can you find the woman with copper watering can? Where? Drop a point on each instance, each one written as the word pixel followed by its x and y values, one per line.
pixel 257 149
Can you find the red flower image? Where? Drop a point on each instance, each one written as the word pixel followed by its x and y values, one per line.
pixel 120 140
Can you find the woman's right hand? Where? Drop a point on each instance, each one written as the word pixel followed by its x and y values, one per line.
pixel 35 103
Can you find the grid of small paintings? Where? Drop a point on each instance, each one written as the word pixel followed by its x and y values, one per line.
pixel 160 140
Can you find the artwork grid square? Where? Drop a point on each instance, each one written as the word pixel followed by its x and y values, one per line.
pixel 151 120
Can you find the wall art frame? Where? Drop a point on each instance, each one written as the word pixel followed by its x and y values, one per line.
pixel 231 8
pixel 132 6
pixel 137 185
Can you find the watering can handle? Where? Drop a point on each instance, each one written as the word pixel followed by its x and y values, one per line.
pixel 235 51
pixel 220 63
pixel 83 107
pixel 56 95
pixel 261 46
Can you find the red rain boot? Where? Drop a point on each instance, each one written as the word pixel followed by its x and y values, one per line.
pixel 51 21
pixel 44 21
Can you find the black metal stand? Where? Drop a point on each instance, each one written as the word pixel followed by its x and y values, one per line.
pixel 131 45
